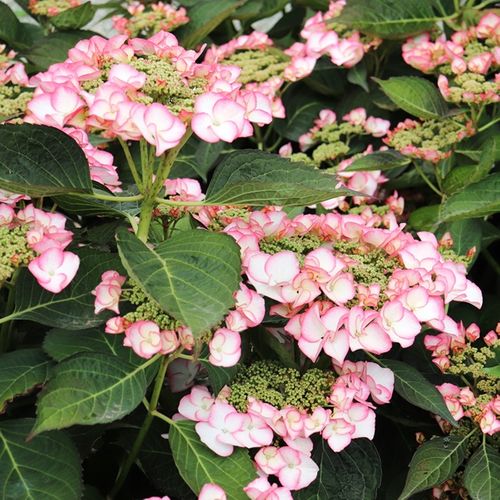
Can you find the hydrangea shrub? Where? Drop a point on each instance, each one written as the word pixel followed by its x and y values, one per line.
pixel 248 250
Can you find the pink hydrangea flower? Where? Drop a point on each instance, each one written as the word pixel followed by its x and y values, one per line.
pixel 299 470
pixel 144 338
pixel 108 291
pixel 225 348
pixel 212 491
pixel 197 404
pixel 54 269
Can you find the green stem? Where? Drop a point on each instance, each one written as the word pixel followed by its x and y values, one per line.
pixel 488 125
pixel 145 218
pixel 174 203
pixel 116 199
pixel 136 447
pixel 427 180
pixel 258 137
pixel 163 417
pixel 131 163
pixel 6 329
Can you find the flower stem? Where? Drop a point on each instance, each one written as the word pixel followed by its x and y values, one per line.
pixel 488 125
pixel 139 440
pixel 428 181
pixel 116 199
pixel 131 163
pixel 6 329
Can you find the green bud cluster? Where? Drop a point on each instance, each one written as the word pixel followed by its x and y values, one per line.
pixel 374 266
pixel 449 254
pixel 148 23
pixel 296 157
pixel 471 84
pixel 300 244
pixel 271 383
pixel 331 151
pixel 338 131
pixel 13 100
pixel 258 65
pixel 14 250
pixel 376 209
pixel 42 7
pixel 146 308
pixel 436 135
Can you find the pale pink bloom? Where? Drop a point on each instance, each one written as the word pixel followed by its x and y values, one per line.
pixel 158 498
pixel 365 331
pixel 187 189
pixel 301 291
pixel 270 460
pixel 316 421
pixel 480 63
pixel 56 108
pixel 489 423
pixel 54 269
pixel 127 76
pixel 466 397
pixel 212 491
pixel 115 325
pixel 144 338
pixel 158 126
pixel 301 444
pixel 458 66
pixel 325 117
pixel 169 341
pixel 257 107
pixel 380 381
pixel 424 306
pixel 451 394
pixel 300 470
pixel 11 199
pixel 444 86
pixel 250 305
pixel 225 348
pixel 267 273
pixel 254 432
pixel 16 74
pixel 323 264
pixel 347 53
pixel 363 419
pixel 338 432
pixel 216 117
pixel 320 43
pixel 400 323
pixel 340 289
pixel 488 26
pixel 285 150
pixel 299 67
pixel 490 338
pixel 377 127
pixel 7 214
pixel 218 431
pixel 261 489
pixel 108 291
pixel 356 116
pixel 472 332
pixel 293 420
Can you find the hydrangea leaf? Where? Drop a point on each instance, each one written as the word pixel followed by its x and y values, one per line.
pixel 433 463
pixel 90 388
pixel 192 276
pixel 47 466
pixel 482 473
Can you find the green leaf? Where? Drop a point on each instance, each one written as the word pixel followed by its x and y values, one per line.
pixel 45 467
pixel 482 473
pixel 259 9
pixel 355 472
pixel 54 47
pixel 74 18
pixel 90 388
pixel 206 155
pixel 476 200
pixel 219 376
pixel 433 463
pixel 379 160
pixel 198 465
pixel 88 205
pixel 416 96
pixel 411 385
pixel 12 31
pixel 73 308
pixel 192 276
pixel 20 372
pixel 463 175
pixel 41 161
pixel 249 177
pixel 465 234
pixel 60 344
pixel 425 218
pixel 204 17
pixel 388 18
pixel 358 75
